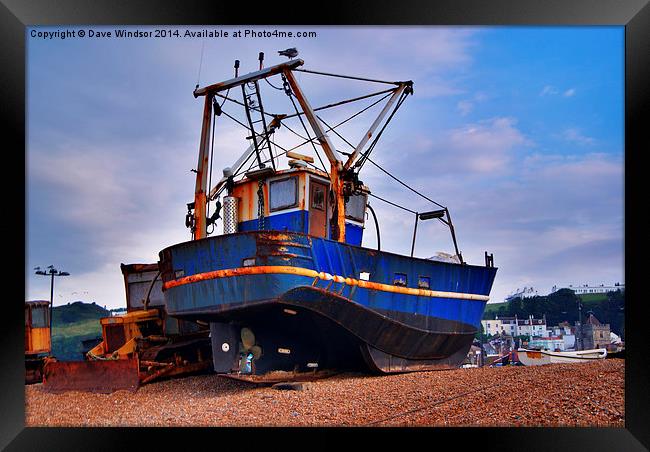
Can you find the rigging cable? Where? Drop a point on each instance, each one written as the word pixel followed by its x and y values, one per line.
pixel 198 77
pixel 346 76
pixel 324 107
pixel 392 203
pixel 365 155
pixel 347 101
pixel 287 90
pixel 407 186
pixel 333 128
pixel 307 140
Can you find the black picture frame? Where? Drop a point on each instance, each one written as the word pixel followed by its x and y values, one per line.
pixel 15 15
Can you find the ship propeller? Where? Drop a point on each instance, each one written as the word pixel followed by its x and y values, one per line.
pixel 248 343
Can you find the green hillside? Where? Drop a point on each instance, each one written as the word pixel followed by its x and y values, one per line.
pixel 72 324
pixel 593 297
pixel 494 307
pixel 78 311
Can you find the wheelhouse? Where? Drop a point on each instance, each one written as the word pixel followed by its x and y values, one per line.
pixel 298 199
pixel 37 327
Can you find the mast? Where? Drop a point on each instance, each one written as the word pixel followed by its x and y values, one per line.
pixel 200 189
pixel 341 175
pixel 200 200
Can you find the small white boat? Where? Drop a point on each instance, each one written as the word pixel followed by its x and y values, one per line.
pixel 540 357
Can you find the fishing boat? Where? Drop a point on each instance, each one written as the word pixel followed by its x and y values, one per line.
pixel 540 357
pixel 288 286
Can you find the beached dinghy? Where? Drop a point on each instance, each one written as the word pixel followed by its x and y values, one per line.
pixel 540 357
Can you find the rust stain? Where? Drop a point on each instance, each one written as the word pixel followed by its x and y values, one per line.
pixel 273 236
pixel 276 243
pixel 289 270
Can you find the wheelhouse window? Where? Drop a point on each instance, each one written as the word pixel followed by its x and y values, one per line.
pixel 283 194
pixel 424 282
pixel 400 279
pixel 39 317
pixel 355 208
pixel 318 197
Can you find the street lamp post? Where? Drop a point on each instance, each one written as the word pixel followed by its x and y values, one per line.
pixel 579 338
pixel 52 272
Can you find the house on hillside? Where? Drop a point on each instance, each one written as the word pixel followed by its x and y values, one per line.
pixel 512 326
pixel 587 289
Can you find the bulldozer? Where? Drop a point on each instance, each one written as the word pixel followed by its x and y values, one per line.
pixel 138 347
pixel 38 339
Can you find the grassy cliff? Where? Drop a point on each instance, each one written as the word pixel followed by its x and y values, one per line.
pixel 73 323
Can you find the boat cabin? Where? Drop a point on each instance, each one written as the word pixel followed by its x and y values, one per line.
pixel 37 327
pixel 297 199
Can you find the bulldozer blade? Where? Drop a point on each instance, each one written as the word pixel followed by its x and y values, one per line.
pixel 91 376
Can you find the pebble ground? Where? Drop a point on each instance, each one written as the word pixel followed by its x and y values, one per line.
pixel 587 394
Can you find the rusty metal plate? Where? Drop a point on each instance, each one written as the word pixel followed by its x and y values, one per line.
pixel 91 376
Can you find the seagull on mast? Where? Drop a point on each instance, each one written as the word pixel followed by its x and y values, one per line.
pixel 290 53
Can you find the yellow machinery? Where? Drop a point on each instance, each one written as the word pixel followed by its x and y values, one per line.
pixel 38 339
pixel 137 347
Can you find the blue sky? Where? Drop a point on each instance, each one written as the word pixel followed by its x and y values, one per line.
pixel 518 130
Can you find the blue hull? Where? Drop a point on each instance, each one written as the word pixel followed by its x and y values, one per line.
pixel 334 318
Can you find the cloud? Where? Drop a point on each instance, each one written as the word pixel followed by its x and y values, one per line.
pixel 575 136
pixel 548 89
pixel 483 147
pixel 486 146
pixel 464 107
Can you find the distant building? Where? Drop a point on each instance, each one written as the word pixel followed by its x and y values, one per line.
pixel 512 326
pixel 531 327
pixel 526 292
pixel 595 334
pixel 587 289
pixel 563 328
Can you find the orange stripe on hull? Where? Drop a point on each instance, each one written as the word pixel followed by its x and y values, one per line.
pixel 287 270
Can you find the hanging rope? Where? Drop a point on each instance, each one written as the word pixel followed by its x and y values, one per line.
pixel 260 205
pixel 272 85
